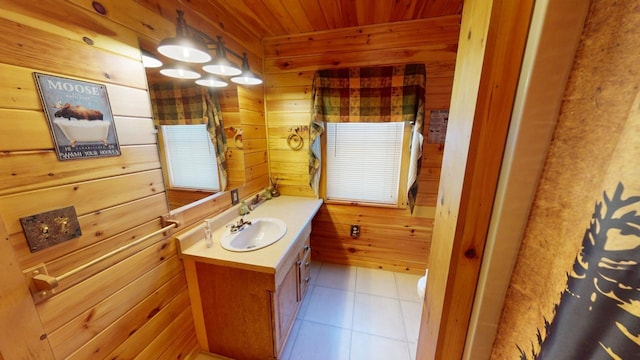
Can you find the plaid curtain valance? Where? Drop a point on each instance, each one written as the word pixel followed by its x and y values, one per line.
pixel 370 94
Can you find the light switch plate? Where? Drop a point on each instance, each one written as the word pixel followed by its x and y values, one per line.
pixel 234 197
pixel 50 228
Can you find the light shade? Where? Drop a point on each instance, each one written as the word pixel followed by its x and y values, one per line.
pixel 180 72
pixel 220 65
pixel 149 60
pixel 211 81
pixel 246 77
pixel 184 47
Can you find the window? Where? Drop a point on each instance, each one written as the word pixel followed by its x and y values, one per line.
pixel 190 157
pixel 365 162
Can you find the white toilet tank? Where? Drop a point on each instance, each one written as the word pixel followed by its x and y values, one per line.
pixel 422 284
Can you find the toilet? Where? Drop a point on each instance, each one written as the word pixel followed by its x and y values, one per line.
pixel 422 284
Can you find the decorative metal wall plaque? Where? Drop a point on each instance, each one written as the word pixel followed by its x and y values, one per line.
pixel 438 126
pixel 50 228
pixel 80 118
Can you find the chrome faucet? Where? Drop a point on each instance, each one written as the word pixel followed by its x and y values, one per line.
pixel 241 225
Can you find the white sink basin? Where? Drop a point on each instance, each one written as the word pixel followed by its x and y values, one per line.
pixel 261 233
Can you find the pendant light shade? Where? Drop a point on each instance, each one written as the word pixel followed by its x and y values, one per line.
pixel 180 72
pixel 184 47
pixel 149 60
pixel 211 81
pixel 220 65
pixel 246 77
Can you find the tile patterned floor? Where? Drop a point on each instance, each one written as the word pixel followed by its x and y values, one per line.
pixel 356 313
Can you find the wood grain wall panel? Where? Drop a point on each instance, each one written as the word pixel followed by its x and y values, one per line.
pixel 18 125
pixel 124 339
pixel 85 196
pixel 20 329
pixel 175 337
pixel 41 169
pixel 135 131
pixel 113 325
pixel 118 199
pixel 65 306
pixel 40 49
pixel 290 63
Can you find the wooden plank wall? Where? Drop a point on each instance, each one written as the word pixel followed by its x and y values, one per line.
pixel 391 239
pixel 136 303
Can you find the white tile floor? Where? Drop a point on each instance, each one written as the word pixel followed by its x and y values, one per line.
pixel 356 313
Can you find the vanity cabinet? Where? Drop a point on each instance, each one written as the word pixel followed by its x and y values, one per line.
pixel 246 312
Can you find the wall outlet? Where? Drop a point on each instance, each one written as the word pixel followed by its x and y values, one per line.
pixel 355 231
pixel 234 197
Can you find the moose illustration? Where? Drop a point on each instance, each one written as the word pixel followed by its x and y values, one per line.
pixel 77 111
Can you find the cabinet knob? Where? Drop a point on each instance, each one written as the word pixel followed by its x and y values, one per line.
pixel 307 264
pixel 307 279
pixel 299 262
pixel 306 248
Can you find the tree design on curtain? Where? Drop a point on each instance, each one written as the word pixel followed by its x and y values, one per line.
pixel 599 312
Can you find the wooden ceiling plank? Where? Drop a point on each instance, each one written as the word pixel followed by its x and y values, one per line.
pixel 314 14
pixel 298 15
pixel 257 10
pixel 366 12
pixel 382 12
pixel 215 21
pixel 435 8
pixel 332 13
pixel 281 14
pixel 409 33
pixel 349 13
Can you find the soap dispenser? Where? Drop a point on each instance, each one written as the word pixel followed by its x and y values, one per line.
pixel 208 236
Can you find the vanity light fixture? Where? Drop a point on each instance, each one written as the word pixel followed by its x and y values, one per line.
pixel 189 46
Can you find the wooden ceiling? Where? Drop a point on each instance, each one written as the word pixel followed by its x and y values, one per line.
pixel 270 18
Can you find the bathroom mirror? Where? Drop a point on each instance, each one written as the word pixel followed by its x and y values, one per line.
pixel 227 97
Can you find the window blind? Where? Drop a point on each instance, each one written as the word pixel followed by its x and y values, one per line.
pixel 363 161
pixel 191 157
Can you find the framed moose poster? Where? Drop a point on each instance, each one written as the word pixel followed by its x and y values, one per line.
pixel 80 117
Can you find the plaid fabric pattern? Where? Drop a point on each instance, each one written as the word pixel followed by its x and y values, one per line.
pixel 369 94
pixel 175 103
pixel 373 94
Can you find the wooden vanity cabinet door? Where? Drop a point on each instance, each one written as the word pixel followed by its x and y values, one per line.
pixel 286 307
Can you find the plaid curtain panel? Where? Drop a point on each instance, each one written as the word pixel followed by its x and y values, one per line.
pixel 370 94
pixel 175 103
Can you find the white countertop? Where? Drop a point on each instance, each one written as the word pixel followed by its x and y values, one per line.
pixel 296 212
